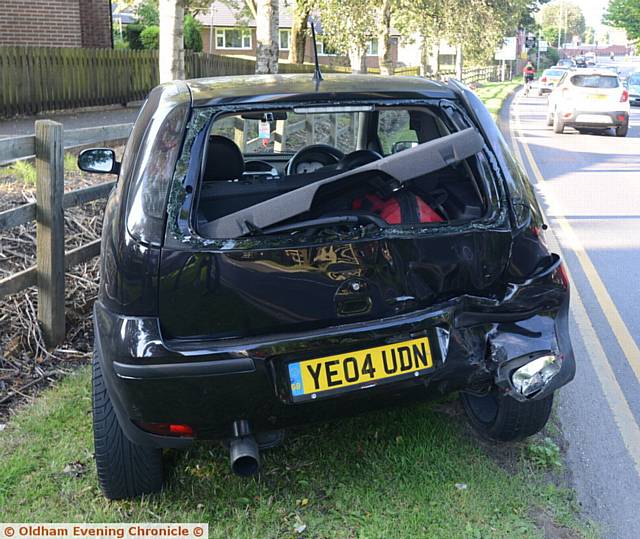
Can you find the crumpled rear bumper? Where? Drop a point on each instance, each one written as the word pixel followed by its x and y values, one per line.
pixel 210 384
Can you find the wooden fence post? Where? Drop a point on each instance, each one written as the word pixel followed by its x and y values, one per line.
pixel 50 229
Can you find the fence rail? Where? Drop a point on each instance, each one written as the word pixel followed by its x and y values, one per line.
pixel 48 146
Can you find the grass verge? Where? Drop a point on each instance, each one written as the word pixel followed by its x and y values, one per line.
pixel 407 472
pixel 494 94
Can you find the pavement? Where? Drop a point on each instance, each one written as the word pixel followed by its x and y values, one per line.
pixel 589 189
pixel 72 119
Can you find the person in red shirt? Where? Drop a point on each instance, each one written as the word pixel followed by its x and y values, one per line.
pixel 529 73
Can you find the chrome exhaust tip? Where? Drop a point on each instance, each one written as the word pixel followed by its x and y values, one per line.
pixel 534 376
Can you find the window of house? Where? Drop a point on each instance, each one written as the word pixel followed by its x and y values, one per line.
pixel 233 38
pixel 285 39
pixel 372 47
pixel 326 50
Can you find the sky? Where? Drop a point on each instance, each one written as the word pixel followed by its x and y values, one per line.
pixel 593 10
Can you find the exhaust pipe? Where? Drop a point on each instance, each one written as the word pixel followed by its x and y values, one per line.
pixel 243 451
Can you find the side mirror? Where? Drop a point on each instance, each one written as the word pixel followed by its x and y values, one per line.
pixel 403 145
pixel 99 161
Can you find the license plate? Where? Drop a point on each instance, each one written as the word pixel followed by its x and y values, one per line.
pixel 597 97
pixel 593 119
pixel 318 377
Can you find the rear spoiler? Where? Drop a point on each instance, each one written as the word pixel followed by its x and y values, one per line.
pixel 402 166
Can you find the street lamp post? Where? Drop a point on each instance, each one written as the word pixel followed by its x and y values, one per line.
pixel 560 23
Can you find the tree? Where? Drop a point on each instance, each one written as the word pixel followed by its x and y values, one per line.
pixel 300 16
pixel 192 35
pixel 385 60
pixel 348 26
pixel 624 14
pixel 562 16
pixel 267 24
pixel 171 40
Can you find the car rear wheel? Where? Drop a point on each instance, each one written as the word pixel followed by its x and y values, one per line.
pixel 502 418
pixel 558 124
pixel 549 119
pixel 125 470
pixel 622 130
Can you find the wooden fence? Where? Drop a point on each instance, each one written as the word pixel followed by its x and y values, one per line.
pixel 474 75
pixel 37 79
pixel 48 145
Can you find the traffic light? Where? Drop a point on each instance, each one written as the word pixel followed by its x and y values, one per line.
pixel 531 42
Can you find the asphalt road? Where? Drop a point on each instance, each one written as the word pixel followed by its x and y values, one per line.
pixel 589 187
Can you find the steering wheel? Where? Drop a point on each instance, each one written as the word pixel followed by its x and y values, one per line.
pixel 313 157
pixel 357 159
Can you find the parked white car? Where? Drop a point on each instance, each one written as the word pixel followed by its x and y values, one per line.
pixel 588 99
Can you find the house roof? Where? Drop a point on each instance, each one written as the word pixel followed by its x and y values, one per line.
pixel 222 14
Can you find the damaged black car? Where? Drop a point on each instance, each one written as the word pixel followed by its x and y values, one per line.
pixel 279 250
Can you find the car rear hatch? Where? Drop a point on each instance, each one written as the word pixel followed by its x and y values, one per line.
pixel 259 280
pixel 597 93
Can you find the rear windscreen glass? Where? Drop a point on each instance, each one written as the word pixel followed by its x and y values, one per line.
pixel 554 73
pixel 594 81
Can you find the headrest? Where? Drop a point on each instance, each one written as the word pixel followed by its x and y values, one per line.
pixel 224 160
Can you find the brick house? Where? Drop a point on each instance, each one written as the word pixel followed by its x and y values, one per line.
pixel 224 33
pixel 56 23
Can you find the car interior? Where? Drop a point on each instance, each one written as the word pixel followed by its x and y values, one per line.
pixel 254 156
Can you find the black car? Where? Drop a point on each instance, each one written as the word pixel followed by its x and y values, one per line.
pixel 280 250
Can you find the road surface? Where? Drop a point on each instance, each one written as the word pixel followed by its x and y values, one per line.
pixel 72 119
pixel 589 186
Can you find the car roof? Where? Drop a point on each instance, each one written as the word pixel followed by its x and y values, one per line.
pixel 301 87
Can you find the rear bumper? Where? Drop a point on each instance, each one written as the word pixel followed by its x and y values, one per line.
pixel 583 118
pixel 210 385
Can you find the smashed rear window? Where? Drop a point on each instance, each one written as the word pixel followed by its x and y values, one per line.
pixel 280 170
pixel 594 81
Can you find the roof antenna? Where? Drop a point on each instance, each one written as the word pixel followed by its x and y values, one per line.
pixel 317 75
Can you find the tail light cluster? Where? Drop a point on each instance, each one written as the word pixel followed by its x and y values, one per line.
pixel 543 79
pixel 625 96
pixel 167 429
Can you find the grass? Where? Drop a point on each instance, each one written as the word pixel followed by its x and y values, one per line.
pixel 23 171
pixel 494 94
pixel 405 472
pixel 70 162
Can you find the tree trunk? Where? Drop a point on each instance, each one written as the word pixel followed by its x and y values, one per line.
pixel 267 36
pixel 459 61
pixel 171 45
pixel 385 58
pixel 298 33
pixel 358 59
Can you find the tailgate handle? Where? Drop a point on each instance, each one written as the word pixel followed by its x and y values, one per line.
pixel 350 307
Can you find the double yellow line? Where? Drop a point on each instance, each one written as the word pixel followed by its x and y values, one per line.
pixel 623 416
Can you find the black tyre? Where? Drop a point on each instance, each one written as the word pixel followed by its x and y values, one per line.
pixel 125 470
pixel 549 119
pixel 622 130
pixel 504 419
pixel 558 124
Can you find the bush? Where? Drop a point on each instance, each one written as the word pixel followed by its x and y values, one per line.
pixel 24 172
pixel 150 37
pixel 192 37
pixel 119 43
pixel 132 35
